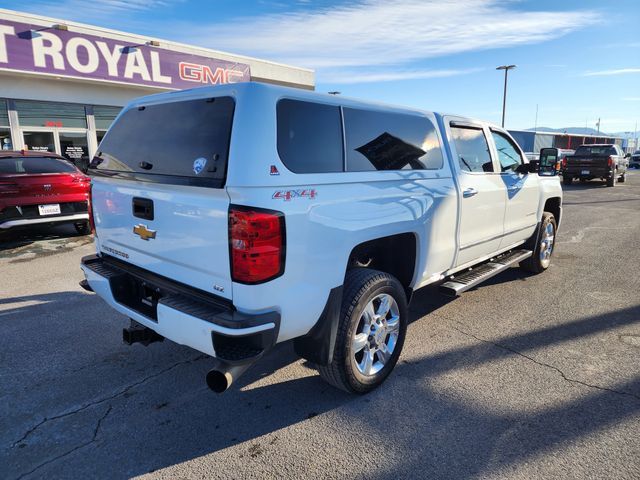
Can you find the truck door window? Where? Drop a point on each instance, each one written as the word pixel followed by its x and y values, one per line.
pixel 378 140
pixel 508 153
pixel 472 149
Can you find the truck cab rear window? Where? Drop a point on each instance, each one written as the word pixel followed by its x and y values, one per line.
pixel 178 139
pixel 596 150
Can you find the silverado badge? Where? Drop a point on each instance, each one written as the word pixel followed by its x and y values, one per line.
pixel 144 232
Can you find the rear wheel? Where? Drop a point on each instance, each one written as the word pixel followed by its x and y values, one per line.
pixel 623 177
pixel 544 244
pixel 82 228
pixel 567 180
pixel 612 180
pixel 371 331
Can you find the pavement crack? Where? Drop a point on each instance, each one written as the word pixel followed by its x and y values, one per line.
pixel 546 365
pixel 105 399
pixel 74 449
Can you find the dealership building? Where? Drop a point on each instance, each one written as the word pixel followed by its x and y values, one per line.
pixel 533 141
pixel 63 83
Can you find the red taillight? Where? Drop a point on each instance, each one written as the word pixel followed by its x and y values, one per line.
pixel 92 224
pixel 256 244
pixel 611 161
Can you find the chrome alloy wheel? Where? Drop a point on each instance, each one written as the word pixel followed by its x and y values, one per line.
pixel 376 334
pixel 546 245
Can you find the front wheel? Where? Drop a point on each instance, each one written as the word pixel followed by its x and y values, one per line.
pixel 371 331
pixel 544 244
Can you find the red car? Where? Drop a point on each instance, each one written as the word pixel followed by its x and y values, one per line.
pixel 42 188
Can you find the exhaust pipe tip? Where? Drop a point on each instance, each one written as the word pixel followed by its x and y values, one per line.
pixel 219 381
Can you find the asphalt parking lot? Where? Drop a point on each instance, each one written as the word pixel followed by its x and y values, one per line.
pixel 524 377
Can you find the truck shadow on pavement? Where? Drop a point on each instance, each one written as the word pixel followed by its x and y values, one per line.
pixel 22 237
pixel 101 409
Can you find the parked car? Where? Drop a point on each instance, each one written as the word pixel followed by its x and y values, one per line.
pixel 42 188
pixel 634 160
pixel 552 157
pixel 605 161
pixel 315 224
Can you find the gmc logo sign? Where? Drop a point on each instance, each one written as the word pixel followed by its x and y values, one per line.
pixel 193 72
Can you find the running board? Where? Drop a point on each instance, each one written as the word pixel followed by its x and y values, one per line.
pixel 465 280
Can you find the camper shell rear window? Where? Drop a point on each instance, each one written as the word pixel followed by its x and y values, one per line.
pixel 184 142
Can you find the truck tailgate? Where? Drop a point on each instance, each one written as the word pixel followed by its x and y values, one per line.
pixel 184 237
pixel 588 162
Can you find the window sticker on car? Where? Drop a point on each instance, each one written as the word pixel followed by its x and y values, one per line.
pixel 198 165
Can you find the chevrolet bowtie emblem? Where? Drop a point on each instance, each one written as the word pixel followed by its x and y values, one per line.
pixel 144 232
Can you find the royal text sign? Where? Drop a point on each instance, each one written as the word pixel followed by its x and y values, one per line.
pixel 64 53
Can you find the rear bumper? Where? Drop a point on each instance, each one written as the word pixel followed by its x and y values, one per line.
pixel 180 313
pixel 24 222
pixel 25 214
pixel 594 171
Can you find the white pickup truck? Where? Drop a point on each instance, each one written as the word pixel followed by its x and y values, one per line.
pixel 235 217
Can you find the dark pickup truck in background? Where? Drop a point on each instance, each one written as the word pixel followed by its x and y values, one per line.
pixel 605 161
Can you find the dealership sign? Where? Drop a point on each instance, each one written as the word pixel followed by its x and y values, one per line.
pixel 63 53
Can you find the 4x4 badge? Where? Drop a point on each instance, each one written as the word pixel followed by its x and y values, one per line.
pixel 287 195
pixel 144 232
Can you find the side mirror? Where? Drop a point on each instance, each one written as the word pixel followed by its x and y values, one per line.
pixel 627 155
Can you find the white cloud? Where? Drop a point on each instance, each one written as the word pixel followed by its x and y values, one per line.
pixel 620 71
pixel 90 11
pixel 345 76
pixel 393 32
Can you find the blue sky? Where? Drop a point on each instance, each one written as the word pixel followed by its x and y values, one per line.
pixel 577 60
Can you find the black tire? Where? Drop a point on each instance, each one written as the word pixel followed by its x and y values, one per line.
pixel 82 228
pixel 534 263
pixel 612 180
pixel 623 177
pixel 363 285
pixel 567 180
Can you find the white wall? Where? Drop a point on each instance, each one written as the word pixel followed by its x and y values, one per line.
pixel 35 87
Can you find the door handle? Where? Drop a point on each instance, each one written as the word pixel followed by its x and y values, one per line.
pixel 469 192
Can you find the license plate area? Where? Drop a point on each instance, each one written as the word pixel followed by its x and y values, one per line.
pixel 49 209
pixel 585 172
pixel 137 294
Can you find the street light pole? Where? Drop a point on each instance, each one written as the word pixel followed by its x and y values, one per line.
pixel 506 69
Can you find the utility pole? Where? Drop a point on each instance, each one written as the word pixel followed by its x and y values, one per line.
pixel 598 125
pixel 535 126
pixel 506 69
